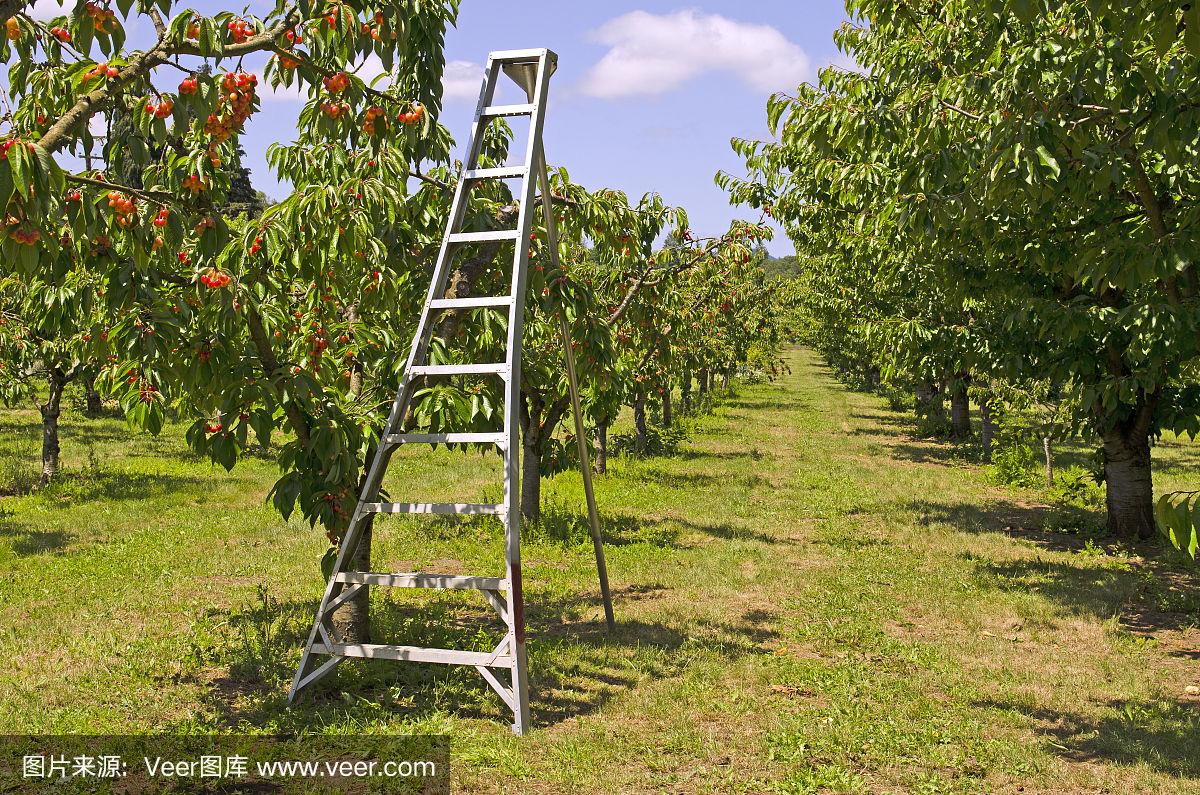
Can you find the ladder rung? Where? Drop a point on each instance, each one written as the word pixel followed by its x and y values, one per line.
pixel 484 237
pixel 446 438
pixel 496 111
pixel 434 507
pixel 471 303
pixel 415 654
pixel 512 172
pixel 419 580
pixel 497 368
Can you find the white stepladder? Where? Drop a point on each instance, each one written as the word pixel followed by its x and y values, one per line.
pixel 531 70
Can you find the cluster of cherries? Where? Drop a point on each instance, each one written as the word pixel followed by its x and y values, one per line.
pixel 194 184
pixel 214 279
pixel 102 18
pixel 26 237
pixel 61 33
pixel 160 110
pixel 336 83
pixel 335 110
pixel 412 117
pixel 235 105
pixel 212 427
pixel 12 29
pixel 256 246
pixel 188 85
pixel 368 29
pixel 240 30
pixel 373 113
pixel 124 207
pixel 160 220
pixel 100 70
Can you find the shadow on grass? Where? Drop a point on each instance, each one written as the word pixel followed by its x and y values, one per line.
pixel 32 542
pixel 91 484
pixel 1139 583
pixel 1164 735
pixel 618 530
pixel 576 664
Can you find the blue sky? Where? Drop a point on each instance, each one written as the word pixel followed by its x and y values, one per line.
pixel 648 92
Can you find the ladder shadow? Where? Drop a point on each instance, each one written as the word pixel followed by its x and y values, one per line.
pixel 576 665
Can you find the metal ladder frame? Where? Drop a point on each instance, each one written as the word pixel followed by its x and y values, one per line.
pixel 531 70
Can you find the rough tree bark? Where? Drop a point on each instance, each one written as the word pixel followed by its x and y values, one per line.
pixel 702 378
pixel 50 410
pixel 600 465
pixel 94 405
pixel 1129 491
pixel 667 415
pixel 353 619
pixel 987 430
pixel 960 407
pixel 639 421
pixel 1048 460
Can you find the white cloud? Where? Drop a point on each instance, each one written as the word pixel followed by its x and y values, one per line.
pixel 656 53
pixel 49 9
pixel 461 81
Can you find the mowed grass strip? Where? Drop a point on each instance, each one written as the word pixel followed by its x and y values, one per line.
pixel 809 599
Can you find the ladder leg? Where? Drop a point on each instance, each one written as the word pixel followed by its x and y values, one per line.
pixel 516 599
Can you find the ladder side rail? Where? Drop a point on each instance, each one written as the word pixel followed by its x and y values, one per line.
pixel 512 424
pixel 585 464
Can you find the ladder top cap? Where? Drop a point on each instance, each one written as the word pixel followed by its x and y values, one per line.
pixel 517 56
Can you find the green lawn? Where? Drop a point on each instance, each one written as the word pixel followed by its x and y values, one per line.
pixel 809 599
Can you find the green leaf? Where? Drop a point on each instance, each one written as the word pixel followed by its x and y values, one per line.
pixel 1048 161
pixel 1191 29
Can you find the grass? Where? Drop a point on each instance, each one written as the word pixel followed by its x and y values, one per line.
pixel 809 599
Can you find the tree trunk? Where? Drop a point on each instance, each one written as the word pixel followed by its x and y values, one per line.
pixel 987 426
pixel 94 404
pixel 352 620
pixel 960 412
pixel 1129 493
pixel 667 417
pixel 725 376
pixel 601 462
pixel 702 377
pixel 50 411
pixel 531 478
pixel 685 393
pixel 639 420
pixel 1048 457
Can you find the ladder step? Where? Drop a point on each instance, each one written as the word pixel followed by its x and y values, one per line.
pixel 496 111
pixel 512 172
pixel 446 438
pixel 497 368
pixel 484 237
pixel 471 303
pixel 434 507
pixel 377 651
pixel 419 580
